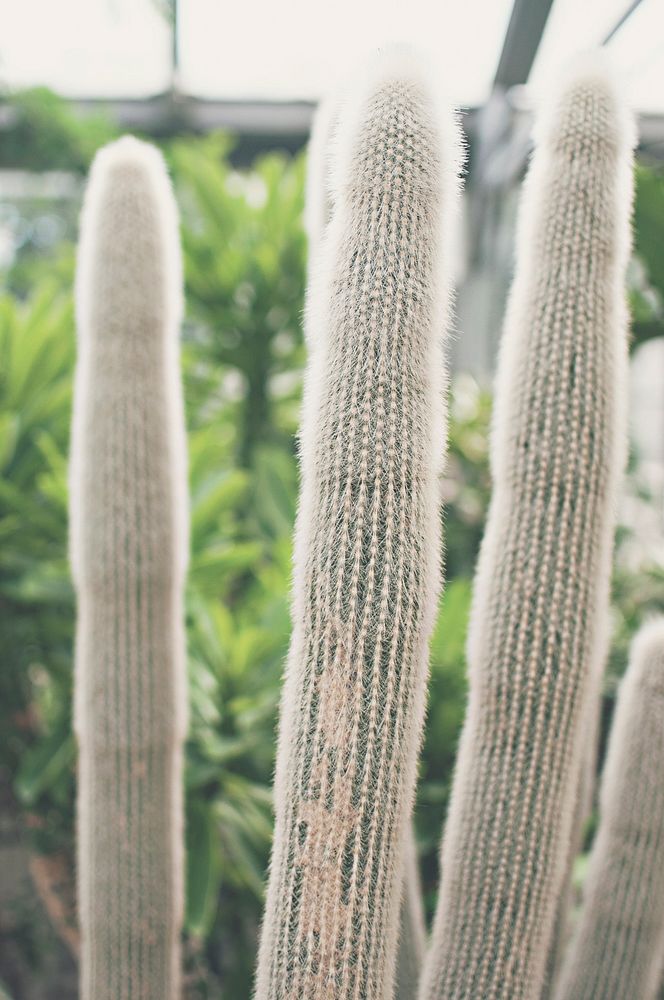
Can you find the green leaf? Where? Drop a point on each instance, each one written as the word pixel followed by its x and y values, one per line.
pixel 43 765
pixel 449 637
pixel 212 569
pixel 275 489
pixel 203 868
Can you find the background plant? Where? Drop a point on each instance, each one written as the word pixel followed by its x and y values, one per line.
pixel 244 258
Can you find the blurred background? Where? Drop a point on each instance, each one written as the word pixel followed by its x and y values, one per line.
pixel 229 95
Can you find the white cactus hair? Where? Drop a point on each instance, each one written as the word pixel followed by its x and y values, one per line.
pixel 616 950
pixel 129 162
pixel 128 552
pixel 555 457
pixel 354 167
pixel 336 127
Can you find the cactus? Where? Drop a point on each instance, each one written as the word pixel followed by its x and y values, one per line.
pixel 367 555
pixel 128 542
pixel 412 928
pixel 583 803
pixel 318 212
pixel 541 591
pixel 617 950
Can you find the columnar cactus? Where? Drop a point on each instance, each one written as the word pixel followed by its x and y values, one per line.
pixel 412 927
pixel 617 950
pixel 583 803
pixel 318 212
pixel 128 554
pixel 367 557
pixel 542 583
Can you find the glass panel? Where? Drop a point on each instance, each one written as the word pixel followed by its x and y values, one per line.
pixel 86 48
pixel 300 48
pixel 637 48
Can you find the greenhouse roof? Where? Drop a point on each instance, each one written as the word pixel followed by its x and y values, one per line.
pixel 297 50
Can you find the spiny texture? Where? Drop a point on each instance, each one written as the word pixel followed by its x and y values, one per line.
pixel 617 951
pixel 412 927
pixel 561 926
pixel 128 552
pixel 318 212
pixel 367 558
pixel 583 803
pixel 542 583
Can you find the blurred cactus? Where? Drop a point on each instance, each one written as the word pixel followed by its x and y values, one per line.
pixel 128 542
pixel 542 584
pixel 617 950
pixel 412 927
pixel 367 546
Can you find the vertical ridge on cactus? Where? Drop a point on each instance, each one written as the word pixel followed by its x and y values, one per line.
pixel 367 555
pixel 542 582
pixel 617 950
pixel 128 547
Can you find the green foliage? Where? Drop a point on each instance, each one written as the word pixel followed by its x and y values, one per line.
pixel 44 133
pixel 647 272
pixel 244 250
pixel 243 356
pixel 36 608
pixel 243 482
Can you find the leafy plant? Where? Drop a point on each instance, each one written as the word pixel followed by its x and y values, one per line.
pixel 244 261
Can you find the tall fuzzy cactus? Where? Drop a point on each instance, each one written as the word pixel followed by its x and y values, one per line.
pixel 542 584
pixel 318 213
pixel 367 555
pixel 128 554
pixel 617 951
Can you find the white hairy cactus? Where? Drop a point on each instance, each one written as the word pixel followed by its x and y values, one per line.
pixel 617 950
pixel 128 540
pixel 318 212
pixel 367 561
pixel 541 591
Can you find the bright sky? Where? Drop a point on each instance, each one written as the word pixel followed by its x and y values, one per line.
pixel 280 49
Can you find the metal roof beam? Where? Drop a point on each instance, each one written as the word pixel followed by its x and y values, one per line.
pixel 522 38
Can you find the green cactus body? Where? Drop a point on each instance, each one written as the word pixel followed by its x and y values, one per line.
pixel 542 583
pixel 617 950
pixel 366 575
pixel 128 541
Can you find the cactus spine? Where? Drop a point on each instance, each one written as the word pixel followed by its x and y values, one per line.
pixel 367 554
pixel 128 544
pixel 617 951
pixel 542 583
